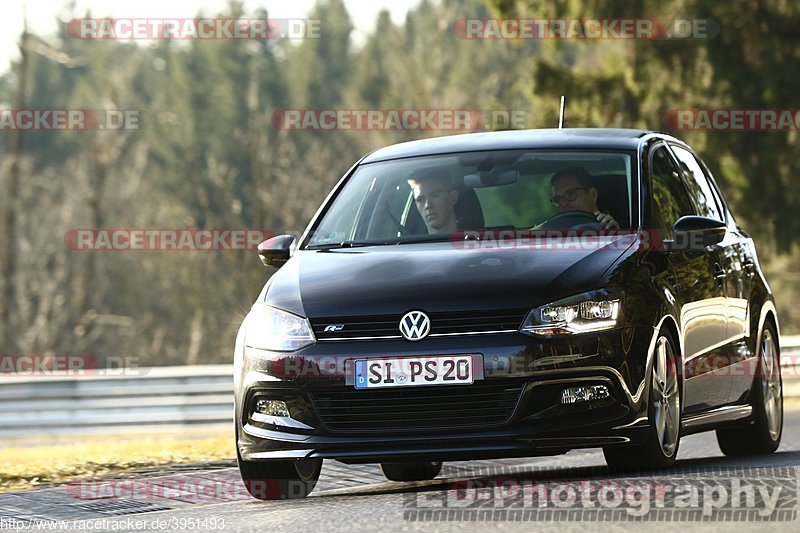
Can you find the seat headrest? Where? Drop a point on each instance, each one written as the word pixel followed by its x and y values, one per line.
pixel 468 209
pixel 612 193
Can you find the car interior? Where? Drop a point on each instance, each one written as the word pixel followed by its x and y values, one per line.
pixel 612 198
pixel 511 191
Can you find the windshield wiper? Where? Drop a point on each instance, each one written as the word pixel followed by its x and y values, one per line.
pixel 426 238
pixel 440 237
pixel 344 244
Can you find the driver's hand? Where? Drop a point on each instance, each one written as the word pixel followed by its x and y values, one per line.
pixel 606 220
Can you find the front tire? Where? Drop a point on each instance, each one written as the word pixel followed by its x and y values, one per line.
pixel 763 434
pixel 411 471
pixel 664 414
pixel 279 480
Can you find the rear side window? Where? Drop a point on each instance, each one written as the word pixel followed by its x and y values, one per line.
pixel 670 197
pixel 699 187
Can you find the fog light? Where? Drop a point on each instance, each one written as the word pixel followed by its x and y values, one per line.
pixel 584 394
pixel 272 408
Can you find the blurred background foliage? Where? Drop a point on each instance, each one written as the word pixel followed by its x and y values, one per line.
pixel 207 156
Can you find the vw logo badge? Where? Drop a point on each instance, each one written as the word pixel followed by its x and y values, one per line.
pixel 415 325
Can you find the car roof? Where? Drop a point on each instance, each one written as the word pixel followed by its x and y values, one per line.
pixel 614 138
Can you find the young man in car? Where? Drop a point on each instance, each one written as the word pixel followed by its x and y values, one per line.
pixel 435 198
pixel 573 190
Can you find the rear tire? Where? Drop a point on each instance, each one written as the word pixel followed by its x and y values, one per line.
pixel 411 471
pixel 279 480
pixel 664 415
pixel 763 434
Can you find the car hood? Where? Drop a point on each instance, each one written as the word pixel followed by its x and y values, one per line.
pixel 435 277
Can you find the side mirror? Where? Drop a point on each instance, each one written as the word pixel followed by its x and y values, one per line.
pixel 693 233
pixel 276 251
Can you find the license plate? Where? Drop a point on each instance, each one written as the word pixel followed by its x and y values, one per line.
pixel 413 371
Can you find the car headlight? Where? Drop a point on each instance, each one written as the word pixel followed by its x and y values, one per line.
pixel 269 328
pixel 584 313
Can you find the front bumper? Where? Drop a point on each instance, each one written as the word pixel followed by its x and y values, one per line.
pixel 530 373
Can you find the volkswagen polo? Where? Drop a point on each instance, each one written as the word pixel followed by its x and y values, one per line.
pixel 508 294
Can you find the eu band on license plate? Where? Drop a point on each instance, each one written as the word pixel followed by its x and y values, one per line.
pixel 413 371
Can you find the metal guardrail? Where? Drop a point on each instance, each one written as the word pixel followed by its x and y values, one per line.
pixel 790 365
pixel 155 398
pixel 165 397
pixel 790 345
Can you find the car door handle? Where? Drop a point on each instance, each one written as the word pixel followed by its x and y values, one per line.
pixel 719 272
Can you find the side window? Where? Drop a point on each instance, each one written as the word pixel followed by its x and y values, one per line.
pixel 342 225
pixel 715 190
pixel 385 221
pixel 670 198
pixel 698 184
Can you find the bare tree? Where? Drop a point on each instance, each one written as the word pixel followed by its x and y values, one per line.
pixel 9 221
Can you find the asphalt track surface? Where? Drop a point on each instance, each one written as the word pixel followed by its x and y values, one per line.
pixel 573 492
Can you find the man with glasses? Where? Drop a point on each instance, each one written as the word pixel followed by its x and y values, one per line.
pixel 573 190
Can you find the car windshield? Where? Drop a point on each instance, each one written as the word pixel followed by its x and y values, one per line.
pixel 427 198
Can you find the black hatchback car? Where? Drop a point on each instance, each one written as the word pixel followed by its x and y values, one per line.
pixel 508 294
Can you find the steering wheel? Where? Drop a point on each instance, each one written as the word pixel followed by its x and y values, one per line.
pixel 572 219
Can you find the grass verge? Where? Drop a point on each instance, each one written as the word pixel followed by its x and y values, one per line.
pixel 31 463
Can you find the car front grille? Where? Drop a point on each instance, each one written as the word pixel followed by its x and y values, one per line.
pixel 412 409
pixel 388 326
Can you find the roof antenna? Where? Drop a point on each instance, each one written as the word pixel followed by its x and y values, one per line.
pixel 561 112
